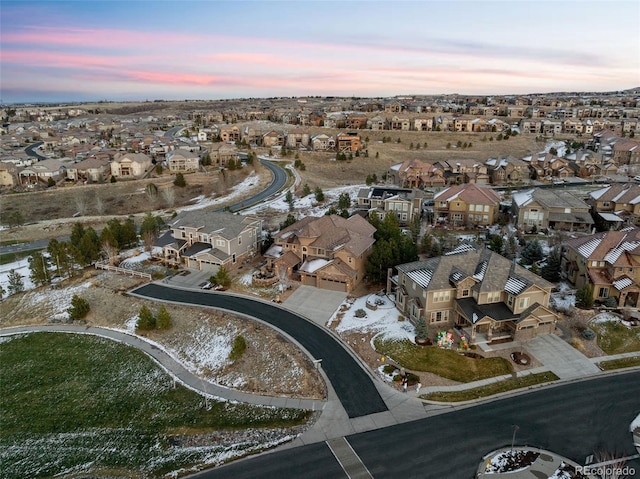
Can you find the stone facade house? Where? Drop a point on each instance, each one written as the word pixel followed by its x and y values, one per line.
pixel 206 240
pixel 481 293
pixel 609 261
pixel 467 204
pixel 328 252
pixel 91 170
pixel 182 160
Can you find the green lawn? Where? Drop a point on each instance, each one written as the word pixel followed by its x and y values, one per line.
pixel 491 389
pixel 615 338
pixel 443 362
pixel 7 258
pixel 78 403
pixel 620 363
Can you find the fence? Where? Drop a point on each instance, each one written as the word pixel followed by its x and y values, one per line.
pixel 125 271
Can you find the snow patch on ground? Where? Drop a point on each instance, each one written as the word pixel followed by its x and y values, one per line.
pixel 22 267
pixel 383 321
pixel 565 298
pixel 605 318
pixel 238 190
pixel 57 300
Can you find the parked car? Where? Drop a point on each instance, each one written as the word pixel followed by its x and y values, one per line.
pixel 636 178
pixel 205 285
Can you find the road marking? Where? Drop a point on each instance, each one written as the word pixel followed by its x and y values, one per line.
pixel 350 462
pixel 588 460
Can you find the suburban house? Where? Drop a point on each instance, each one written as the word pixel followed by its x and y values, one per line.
pixel 130 165
pixel 221 153
pixel 486 295
pixel 230 134
pixel 8 174
pixel 297 138
pixel 609 261
pixel 415 174
pixel 620 200
pixel 405 203
pixel 183 160
pixel 42 171
pixel 323 142
pixel 503 171
pixel 467 204
pixel 206 240
pixel 547 208
pixel 463 171
pixel 348 142
pixel 273 138
pixel 91 169
pixel 328 252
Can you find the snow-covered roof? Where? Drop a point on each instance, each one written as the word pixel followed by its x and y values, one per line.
pixel 421 276
pixel 522 198
pixel 622 283
pixel 589 247
pixel 480 270
pixel 313 265
pixel 515 285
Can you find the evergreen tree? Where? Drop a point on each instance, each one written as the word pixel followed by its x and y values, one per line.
pixel 306 190
pixel 146 321
pixel 584 297
pixel 422 330
pixel 344 201
pixel 79 308
pixel 319 194
pixel 510 248
pixel 532 252
pixel 289 199
pixel 16 284
pixel 288 221
pixel 39 269
pixel 180 181
pixel 222 277
pixel 163 319
pixel 551 270
pixel 496 244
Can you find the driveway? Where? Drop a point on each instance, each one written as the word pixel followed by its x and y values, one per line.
pixel 560 357
pixel 314 303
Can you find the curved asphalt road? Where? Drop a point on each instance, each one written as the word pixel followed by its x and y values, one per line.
pixel 279 179
pixel 31 151
pixel 574 420
pixel 353 386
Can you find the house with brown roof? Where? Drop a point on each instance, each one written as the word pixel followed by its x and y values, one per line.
pixel 621 200
pixel 297 138
pixel 416 174
pixel 609 261
pixel 626 152
pixel 42 171
pixel 221 153
pixel 547 208
pixel 323 142
pixel 273 138
pixel 91 169
pixel 230 133
pixel 130 165
pixel 348 141
pixel 467 204
pixel 484 294
pixel 206 240
pixel 328 252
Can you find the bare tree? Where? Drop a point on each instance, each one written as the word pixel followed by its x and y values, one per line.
pixel 610 466
pixel 169 195
pixel 148 238
pixel 152 193
pixel 109 251
pixel 81 202
pixel 100 205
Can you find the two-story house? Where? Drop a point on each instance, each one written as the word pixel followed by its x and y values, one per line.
pixel 462 205
pixel 348 141
pixel 323 142
pixel 621 200
pixel 183 160
pixel 130 165
pixel 329 252
pixel 609 261
pixel 487 295
pixel 206 240
pixel 405 203
pixel 415 174
pixel 546 208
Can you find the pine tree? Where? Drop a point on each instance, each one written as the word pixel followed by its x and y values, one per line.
pixel 422 331
pixel 146 321
pixel 16 284
pixel 584 297
pixel 163 319
pixel 180 181
pixel 223 278
pixel 289 199
pixel 39 269
pixel 79 308
pixel 551 270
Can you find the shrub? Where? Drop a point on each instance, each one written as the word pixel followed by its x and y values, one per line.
pixel 146 321
pixel 79 308
pixel 163 319
pixel 360 313
pixel 611 302
pixel 238 349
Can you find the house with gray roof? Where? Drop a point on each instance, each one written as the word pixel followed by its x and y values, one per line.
pixel 548 208
pixel 477 291
pixel 206 240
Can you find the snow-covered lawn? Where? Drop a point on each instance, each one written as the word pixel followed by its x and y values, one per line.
pixel 383 321
pixel 565 298
pixel 238 190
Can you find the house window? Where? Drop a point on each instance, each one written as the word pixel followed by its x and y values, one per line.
pixel 606 204
pixel 239 239
pixel 523 303
pixel 350 259
pixel 233 258
pixel 493 297
pixel 220 242
pixel 603 293
pixel 457 217
pixel 510 301
pixel 465 293
pixel 439 316
pixel 441 296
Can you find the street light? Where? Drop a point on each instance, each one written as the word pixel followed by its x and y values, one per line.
pixel 513 439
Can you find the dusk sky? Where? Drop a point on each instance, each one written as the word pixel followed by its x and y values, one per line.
pixel 177 50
